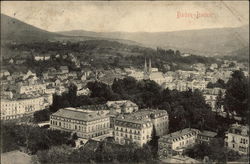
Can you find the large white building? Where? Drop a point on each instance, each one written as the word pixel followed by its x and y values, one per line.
pixel 138 127
pixel 130 130
pixel 16 108
pixel 237 138
pixel 85 123
pixel 159 119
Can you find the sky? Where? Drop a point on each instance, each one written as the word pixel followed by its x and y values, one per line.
pixel 146 16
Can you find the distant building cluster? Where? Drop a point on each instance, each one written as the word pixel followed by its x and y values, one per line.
pixel 25 96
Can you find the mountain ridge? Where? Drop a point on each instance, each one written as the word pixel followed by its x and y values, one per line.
pixel 198 39
pixel 203 42
pixel 13 29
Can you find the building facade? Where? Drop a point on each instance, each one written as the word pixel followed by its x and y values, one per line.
pixel 129 130
pixel 237 138
pixel 176 142
pixel 28 89
pixel 138 127
pixel 159 118
pixel 16 108
pixel 85 123
pixel 211 94
pixel 122 106
pixel 206 136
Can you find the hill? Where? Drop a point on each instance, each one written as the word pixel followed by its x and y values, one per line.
pixel 241 55
pixel 208 42
pixel 15 30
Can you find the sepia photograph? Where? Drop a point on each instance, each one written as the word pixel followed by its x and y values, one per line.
pixel 124 82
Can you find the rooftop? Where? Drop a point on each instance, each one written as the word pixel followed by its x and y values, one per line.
pixel 180 134
pixel 239 129
pixel 146 113
pixel 79 114
pixel 208 133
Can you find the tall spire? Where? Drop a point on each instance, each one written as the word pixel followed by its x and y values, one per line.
pixel 150 68
pixel 145 66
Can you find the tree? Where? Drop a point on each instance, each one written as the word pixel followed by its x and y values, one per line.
pixel 154 143
pixel 42 115
pixel 71 96
pixel 56 154
pixel 237 94
pixel 219 101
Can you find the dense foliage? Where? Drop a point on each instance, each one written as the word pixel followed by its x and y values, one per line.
pixel 236 98
pixel 215 151
pixel 101 54
pixel 219 84
pixel 102 152
pixel 31 138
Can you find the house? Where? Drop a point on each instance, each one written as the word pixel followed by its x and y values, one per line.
pixel 122 106
pixel 57 82
pixel 64 69
pixel 20 61
pixel 45 75
pixel 138 75
pixel 170 86
pixel 72 74
pixel 11 61
pixel 206 136
pixel 63 76
pixel 9 78
pixel 213 66
pixel 51 69
pixel 4 72
pixel 177 142
pixel 83 91
pixel 210 95
pixel 84 77
pixel 25 88
pixel 237 138
pixel 41 57
pixel 28 74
